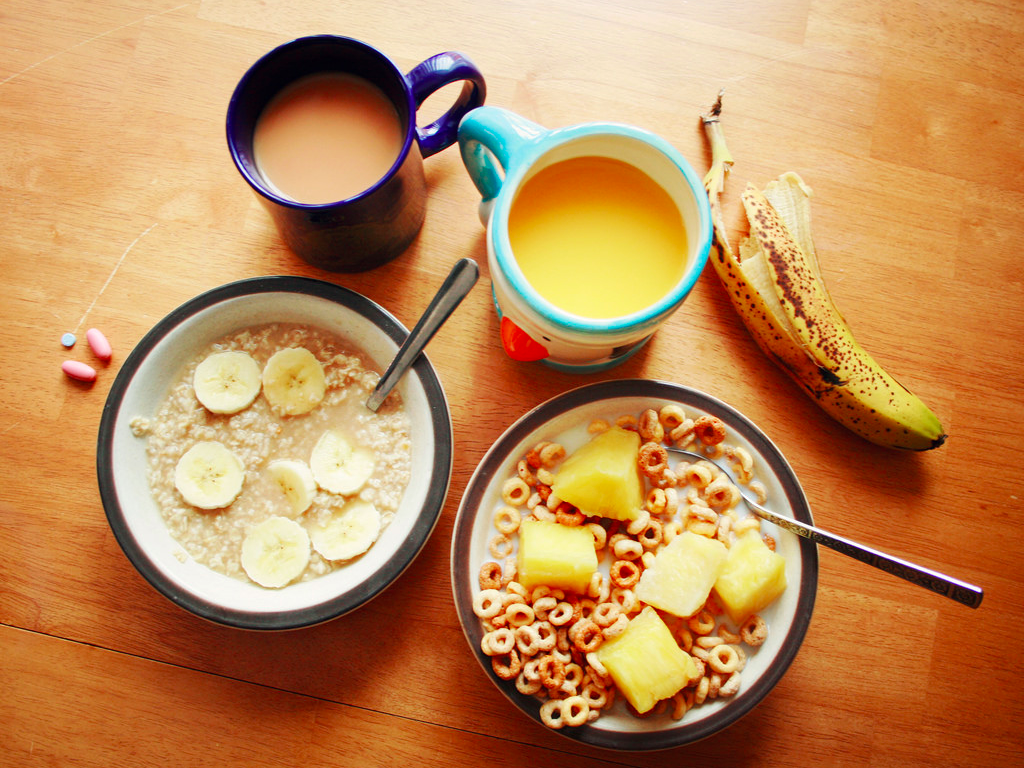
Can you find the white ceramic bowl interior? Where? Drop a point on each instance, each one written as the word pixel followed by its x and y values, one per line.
pixel 564 419
pixel 143 382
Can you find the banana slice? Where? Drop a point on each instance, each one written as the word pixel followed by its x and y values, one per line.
pixel 209 475
pixel 349 532
pixel 275 552
pixel 295 479
pixel 293 381
pixel 339 465
pixel 227 382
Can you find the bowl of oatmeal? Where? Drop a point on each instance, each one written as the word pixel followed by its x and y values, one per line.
pixel 243 475
pixel 619 592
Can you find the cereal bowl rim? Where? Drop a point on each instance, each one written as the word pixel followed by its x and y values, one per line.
pixel 528 427
pixel 422 374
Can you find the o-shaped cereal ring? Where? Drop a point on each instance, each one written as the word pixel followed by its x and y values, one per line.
pixel 723 659
pixel 709 430
pixel 567 514
pixel 617 627
pixel 519 614
pixel 731 686
pixel 500 546
pixel 507 520
pixel 507 666
pixel 551 713
pixel 561 614
pixel 487 603
pixel 546 635
pixel 650 427
pixel 624 573
pixel 575 710
pixel 625 597
pixel 656 501
pixel 515 491
pixel 542 606
pixel 650 537
pixel 588 636
pixel 527 640
pixel 653 459
pixel 526 686
pixel 595 695
pixel 498 642
pixel 490 576
pixel 551 671
pixel 671 416
pixel 754 631
pixel 628 549
pixel 605 614
pixel 701 624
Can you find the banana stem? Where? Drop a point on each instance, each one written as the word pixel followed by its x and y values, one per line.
pixel 721 162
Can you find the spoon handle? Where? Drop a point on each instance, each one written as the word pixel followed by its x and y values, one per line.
pixel 950 587
pixel 947 586
pixel 462 277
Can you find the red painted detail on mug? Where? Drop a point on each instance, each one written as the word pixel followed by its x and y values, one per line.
pixel 520 345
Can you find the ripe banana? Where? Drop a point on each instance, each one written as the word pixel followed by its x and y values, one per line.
pixel 349 532
pixel 296 481
pixel 275 552
pixel 209 475
pixel 294 381
pixel 777 288
pixel 339 465
pixel 227 382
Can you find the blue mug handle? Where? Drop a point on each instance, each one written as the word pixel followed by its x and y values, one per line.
pixel 433 74
pixel 493 141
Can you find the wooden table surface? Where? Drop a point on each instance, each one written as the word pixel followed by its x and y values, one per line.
pixel 120 202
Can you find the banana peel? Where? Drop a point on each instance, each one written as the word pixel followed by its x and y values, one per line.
pixel 776 286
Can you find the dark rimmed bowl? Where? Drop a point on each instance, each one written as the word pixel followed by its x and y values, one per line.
pixel 143 382
pixel 564 419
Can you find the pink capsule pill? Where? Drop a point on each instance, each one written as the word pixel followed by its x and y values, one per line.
pixel 98 344
pixel 78 371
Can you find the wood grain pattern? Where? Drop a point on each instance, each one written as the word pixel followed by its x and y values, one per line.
pixel 119 202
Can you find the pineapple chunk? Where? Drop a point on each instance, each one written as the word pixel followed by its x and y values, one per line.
pixel 752 578
pixel 683 573
pixel 555 555
pixel 646 662
pixel 602 477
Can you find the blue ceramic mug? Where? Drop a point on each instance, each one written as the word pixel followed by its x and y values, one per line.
pixel 376 225
pixel 503 151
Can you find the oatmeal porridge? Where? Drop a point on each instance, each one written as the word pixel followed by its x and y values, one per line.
pixel 266 463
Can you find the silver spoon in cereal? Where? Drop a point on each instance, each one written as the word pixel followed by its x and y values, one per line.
pixel 957 590
pixel 462 277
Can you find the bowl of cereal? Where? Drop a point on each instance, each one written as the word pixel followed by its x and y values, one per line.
pixel 240 469
pixel 618 592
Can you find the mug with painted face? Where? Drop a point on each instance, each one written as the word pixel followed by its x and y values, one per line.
pixel 324 130
pixel 596 233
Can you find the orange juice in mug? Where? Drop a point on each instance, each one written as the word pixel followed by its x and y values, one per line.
pixel 597 237
pixel 596 233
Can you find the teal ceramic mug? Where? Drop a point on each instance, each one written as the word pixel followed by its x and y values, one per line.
pixel 516 164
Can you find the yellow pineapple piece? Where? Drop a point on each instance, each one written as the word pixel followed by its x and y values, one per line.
pixel 646 662
pixel 753 576
pixel 555 555
pixel 683 573
pixel 602 477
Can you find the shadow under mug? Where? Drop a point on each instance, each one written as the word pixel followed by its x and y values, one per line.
pixel 376 225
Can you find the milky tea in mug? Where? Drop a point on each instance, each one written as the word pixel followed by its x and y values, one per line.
pixel 327 137
pixel 339 166
pixel 597 237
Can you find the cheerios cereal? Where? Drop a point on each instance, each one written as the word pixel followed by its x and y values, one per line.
pixel 547 639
